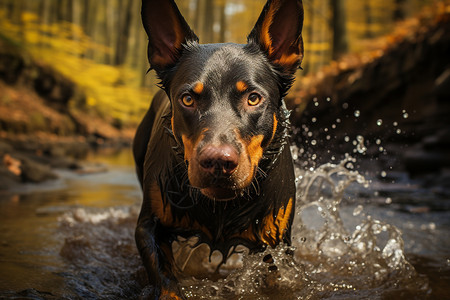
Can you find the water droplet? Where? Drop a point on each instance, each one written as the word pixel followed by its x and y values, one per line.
pixel 345 105
pixel 333 126
pixel 347 139
pixel 357 210
pixel 383 174
pixel 328 99
pixel 379 122
pixel 378 141
pixel 303 239
pixel 377 228
pixel 381 149
pixel 395 124
pixel 316 103
pixel 314 120
pixel 328 137
pixel 399 131
pixel 405 115
pixel 338 120
pixel 357 113
pixel 313 142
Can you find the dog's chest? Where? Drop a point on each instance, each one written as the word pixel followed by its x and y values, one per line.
pixel 223 231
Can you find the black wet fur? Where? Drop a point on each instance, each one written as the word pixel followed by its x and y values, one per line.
pixel 160 153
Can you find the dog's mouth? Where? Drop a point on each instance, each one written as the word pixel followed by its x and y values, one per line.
pixel 221 188
pixel 219 193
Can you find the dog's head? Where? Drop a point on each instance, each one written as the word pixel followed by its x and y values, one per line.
pixel 226 98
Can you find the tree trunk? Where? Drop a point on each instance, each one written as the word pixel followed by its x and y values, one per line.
pixel 208 25
pixel 109 30
pixel 399 12
pixel 197 15
pixel 307 66
pixel 223 21
pixel 369 21
pixel 124 31
pixel 340 44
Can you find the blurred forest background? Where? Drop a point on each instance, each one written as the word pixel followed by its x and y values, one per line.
pixel 375 85
pixel 73 75
pixel 100 44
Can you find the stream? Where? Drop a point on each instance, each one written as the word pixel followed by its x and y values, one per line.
pixel 74 238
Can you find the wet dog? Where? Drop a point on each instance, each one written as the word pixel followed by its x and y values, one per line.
pixel 212 152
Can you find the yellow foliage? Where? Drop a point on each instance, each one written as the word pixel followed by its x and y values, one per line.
pixel 90 101
pixel 318 46
pixel 29 17
pixel 111 91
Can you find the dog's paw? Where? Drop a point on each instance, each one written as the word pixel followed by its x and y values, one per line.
pixel 170 295
pixel 153 293
pixel 149 293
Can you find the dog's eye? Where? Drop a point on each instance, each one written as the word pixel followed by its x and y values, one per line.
pixel 187 100
pixel 254 99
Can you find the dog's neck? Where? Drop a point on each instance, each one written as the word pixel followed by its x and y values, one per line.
pixel 275 148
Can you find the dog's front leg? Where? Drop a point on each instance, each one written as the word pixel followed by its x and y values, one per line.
pixel 156 256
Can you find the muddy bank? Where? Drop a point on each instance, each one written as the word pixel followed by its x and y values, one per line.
pixel 392 102
pixel 34 159
pixel 44 121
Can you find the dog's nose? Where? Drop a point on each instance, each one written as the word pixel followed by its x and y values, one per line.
pixel 219 160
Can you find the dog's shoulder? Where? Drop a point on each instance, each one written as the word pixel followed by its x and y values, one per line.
pixel 153 140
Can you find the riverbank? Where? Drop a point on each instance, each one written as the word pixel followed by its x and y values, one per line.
pixel 35 158
pixel 45 121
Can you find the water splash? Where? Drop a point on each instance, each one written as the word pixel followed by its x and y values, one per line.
pixel 328 257
pixel 338 250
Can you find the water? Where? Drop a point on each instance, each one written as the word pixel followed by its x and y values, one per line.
pixel 74 238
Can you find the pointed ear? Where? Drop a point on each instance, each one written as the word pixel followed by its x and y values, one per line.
pixel 167 31
pixel 278 33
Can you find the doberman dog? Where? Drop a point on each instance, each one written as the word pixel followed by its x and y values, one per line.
pixel 212 152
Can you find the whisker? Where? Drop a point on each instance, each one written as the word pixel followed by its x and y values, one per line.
pixel 261 172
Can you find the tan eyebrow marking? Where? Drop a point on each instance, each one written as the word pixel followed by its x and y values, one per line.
pixel 241 86
pixel 198 88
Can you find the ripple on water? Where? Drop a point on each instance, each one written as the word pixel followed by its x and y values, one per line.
pixel 328 257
